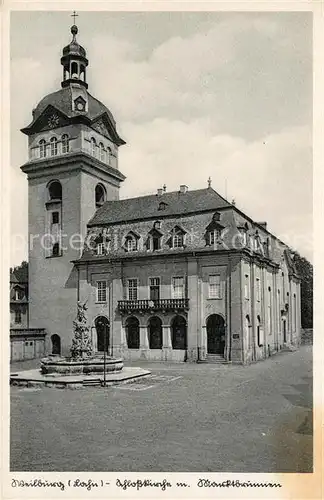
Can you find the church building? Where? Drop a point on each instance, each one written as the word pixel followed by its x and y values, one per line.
pixel 174 276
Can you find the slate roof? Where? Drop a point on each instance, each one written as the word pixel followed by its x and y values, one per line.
pixel 62 101
pixel 146 207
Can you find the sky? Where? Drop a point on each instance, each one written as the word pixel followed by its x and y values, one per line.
pixel 225 95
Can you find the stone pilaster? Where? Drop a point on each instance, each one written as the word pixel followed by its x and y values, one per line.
pixel 144 343
pixel 203 348
pixel 194 307
pixel 167 343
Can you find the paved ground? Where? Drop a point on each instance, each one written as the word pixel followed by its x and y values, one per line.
pixel 184 418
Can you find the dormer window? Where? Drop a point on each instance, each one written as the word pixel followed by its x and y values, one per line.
pixel 19 294
pixel 42 148
pixel 93 146
pixel 65 143
pixel 214 236
pixel 102 152
pixel 79 104
pixel 162 205
pixel 154 240
pixel 100 249
pixel 214 230
pixel 243 233
pixel 178 237
pixel 131 244
pixel 53 143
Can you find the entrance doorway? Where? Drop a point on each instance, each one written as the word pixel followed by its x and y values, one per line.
pixel 284 331
pixel 56 344
pixel 102 328
pixel 215 325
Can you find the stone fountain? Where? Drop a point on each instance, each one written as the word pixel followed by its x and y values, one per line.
pixel 83 360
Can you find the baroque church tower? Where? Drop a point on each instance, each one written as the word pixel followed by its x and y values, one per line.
pixel 72 170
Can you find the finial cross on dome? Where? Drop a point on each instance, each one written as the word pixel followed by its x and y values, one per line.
pixel 74 15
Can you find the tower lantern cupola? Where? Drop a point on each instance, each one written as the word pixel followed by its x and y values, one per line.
pixel 74 62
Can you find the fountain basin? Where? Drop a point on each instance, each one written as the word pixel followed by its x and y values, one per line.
pixel 86 366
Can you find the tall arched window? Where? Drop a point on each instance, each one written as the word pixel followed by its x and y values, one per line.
pixel 248 330
pixel 74 70
pixel 259 333
pixel 132 333
pixel 42 148
pixel 53 146
pixel 93 146
pixel 55 190
pixel 109 153
pixel 179 333
pixel 155 333
pixel 102 153
pixel 100 195
pixel 65 143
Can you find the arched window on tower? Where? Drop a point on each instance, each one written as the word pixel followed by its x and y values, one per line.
pixel 55 190
pixel 65 143
pixel 53 146
pixel 74 70
pixel 100 195
pixel 42 148
pixel 93 146
pixel 102 152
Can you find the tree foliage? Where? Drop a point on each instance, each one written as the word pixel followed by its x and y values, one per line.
pixel 305 271
pixel 21 271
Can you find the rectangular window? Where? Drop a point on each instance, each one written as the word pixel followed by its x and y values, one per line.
pixel 214 287
pixel 214 236
pixel 132 289
pixel 154 288
pixel 178 291
pixel 178 240
pixel 131 244
pixel 55 217
pixel 246 286
pixel 100 249
pixel 257 290
pixel 18 317
pixel 19 294
pixel 56 252
pixel 101 291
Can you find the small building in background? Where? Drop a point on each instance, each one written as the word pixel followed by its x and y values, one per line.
pixel 25 343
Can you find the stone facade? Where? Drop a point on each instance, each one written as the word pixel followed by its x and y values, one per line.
pixel 174 276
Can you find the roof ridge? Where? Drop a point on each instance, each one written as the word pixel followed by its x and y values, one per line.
pixel 162 195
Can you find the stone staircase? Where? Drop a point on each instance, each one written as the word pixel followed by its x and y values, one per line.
pixel 94 382
pixel 215 359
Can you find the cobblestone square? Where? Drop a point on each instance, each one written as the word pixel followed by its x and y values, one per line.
pixel 184 418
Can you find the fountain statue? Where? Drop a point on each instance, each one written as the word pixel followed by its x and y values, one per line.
pixel 83 359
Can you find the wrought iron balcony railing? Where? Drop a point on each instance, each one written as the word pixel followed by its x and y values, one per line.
pixel 153 305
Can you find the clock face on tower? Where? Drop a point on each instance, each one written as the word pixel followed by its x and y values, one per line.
pixel 53 121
